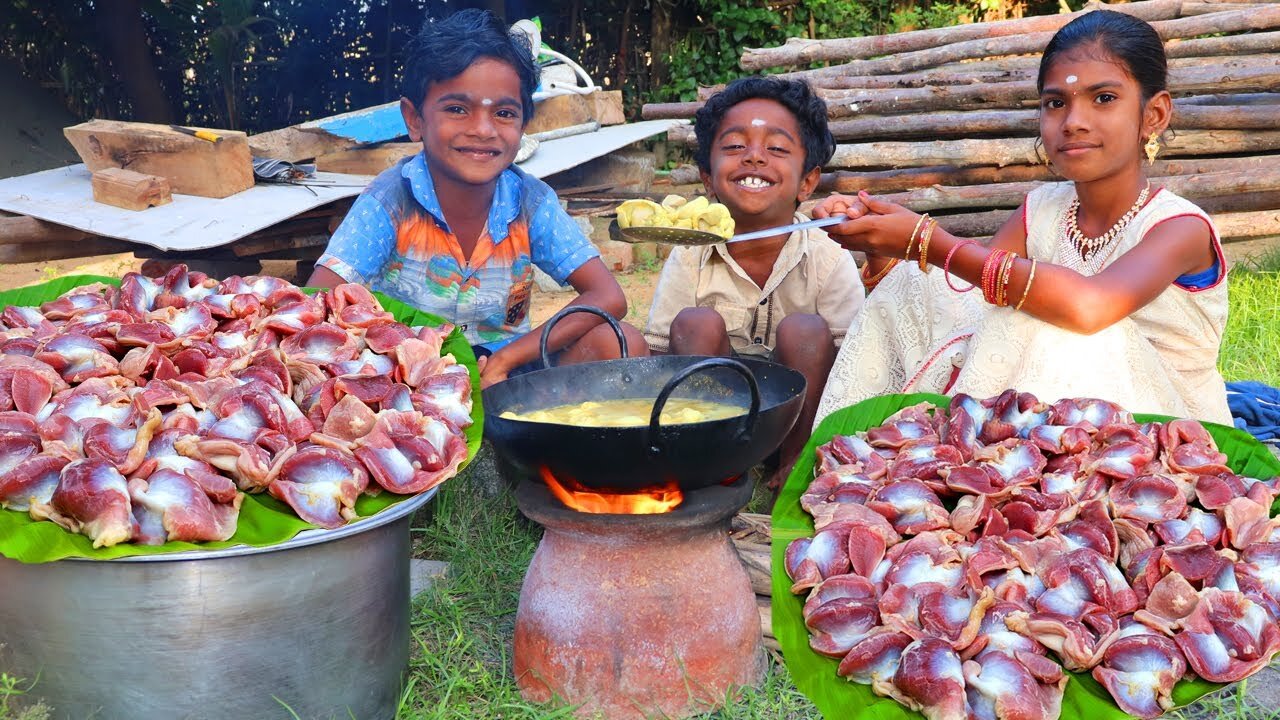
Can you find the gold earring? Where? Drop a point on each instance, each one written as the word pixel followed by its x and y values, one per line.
pixel 1152 148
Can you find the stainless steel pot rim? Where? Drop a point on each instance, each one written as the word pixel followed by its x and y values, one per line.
pixel 302 539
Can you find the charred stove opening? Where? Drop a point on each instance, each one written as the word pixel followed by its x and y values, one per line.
pixel 661 499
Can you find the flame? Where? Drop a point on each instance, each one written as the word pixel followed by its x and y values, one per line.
pixel 662 499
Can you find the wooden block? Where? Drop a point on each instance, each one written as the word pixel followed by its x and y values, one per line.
pixel 191 165
pixel 367 160
pixel 608 107
pixel 561 111
pixel 130 190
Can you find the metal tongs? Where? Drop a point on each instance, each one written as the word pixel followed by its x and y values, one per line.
pixel 685 236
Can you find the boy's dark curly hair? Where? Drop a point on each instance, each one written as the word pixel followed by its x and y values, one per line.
pixel 809 110
pixel 444 49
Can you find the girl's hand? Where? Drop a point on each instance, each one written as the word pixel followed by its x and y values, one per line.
pixel 838 204
pixel 885 231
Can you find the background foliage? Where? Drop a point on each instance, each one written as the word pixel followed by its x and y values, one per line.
pixel 264 64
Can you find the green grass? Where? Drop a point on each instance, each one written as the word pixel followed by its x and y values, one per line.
pixel 1251 343
pixel 12 703
pixel 1232 703
pixel 463 625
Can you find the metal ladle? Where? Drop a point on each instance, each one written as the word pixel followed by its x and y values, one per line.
pixel 685 236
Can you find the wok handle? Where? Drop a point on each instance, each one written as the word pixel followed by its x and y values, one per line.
pixel 546 329
pixel 748 424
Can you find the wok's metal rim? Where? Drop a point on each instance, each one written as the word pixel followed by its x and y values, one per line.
pixel 305 538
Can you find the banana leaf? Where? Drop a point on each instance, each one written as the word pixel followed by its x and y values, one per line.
pixel 263 519
pixel 815 675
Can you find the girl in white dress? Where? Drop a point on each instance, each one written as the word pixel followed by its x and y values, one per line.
pixel 1106 286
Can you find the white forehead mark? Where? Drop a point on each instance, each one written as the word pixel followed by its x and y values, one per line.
pixel 1071 79
pixel 757 122
pixel 487 102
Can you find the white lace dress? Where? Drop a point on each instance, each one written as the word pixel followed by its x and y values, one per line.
pixel 915 333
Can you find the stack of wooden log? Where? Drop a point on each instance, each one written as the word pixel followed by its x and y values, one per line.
pixel 945 120
pixel 751 535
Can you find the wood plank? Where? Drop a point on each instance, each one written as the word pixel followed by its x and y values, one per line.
pixel 366 160
pixel 607 108
pixel 25 230
pixel 314 138
pixel 129 190
pixel 43 252
pixel 560 111
pixel 191 165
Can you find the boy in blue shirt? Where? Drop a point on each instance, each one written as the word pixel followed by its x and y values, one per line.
pixel 457 229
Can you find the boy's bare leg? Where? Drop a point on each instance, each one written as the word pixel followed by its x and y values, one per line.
pixel 600 343
pixel 699 331
pixel 804 344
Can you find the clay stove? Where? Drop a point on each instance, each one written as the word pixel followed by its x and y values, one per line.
pixel 637 615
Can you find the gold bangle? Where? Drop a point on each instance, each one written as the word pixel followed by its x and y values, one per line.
pixel 1006 272
pixel 911 240
pixel 873 281
pixel 924 244
pixel 1026 289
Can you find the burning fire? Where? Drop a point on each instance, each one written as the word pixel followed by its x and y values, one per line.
pixel 659 500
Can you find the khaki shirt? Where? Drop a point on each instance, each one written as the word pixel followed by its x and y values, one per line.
pixel 812 274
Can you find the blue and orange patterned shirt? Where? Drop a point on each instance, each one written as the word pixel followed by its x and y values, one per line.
pixel 395 240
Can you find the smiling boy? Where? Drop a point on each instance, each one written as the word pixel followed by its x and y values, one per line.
pixel 457 229
pixel 789 297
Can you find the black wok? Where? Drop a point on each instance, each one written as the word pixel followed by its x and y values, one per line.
pixel 627 459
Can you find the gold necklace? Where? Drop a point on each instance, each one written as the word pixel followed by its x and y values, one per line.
pixel 1088 247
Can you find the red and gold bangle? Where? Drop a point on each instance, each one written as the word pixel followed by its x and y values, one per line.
pixel 946 266
pixel 990 269
pixel 916 231
pixel 924 244
pixel 1026 289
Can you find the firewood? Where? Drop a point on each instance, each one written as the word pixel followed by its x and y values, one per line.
pixel 1242 98
pixel 1204 8
pixel 129 190
pixel 1235 45
pixel 1262 17
pixel 669 111
pixel 1239 203
pixel 1259 223
pixel 802 51
pixel 1243 75
pixel 974 225
pixel 888 181
pixel 1023 151
pixel 756 559
pixel 1015 122
pixel 765 605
